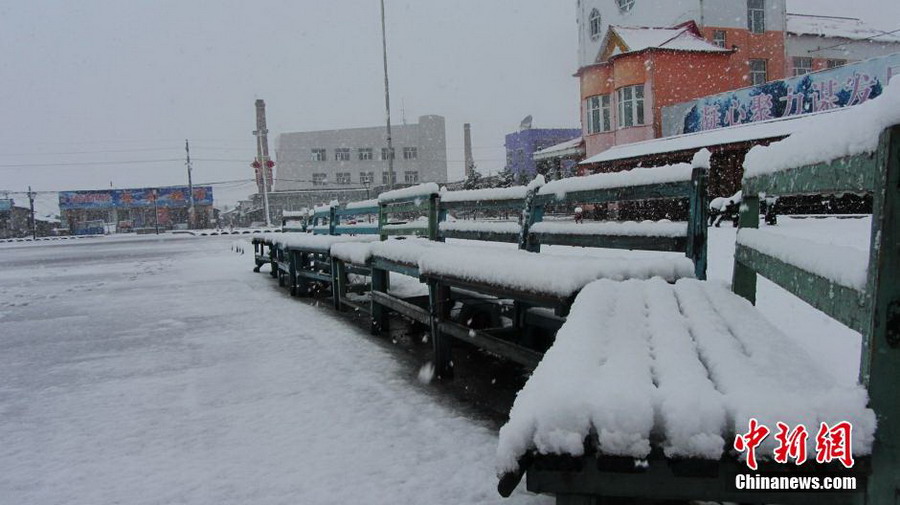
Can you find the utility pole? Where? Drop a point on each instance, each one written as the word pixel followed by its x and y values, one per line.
pixel 263 164
pixel 33 223
pixel 156 208
pixel 191 220
pixel 387 103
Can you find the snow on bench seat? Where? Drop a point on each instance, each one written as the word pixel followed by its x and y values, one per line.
pixel 624 228
pixel 485 194
pixel 687 364
pixel 317 243
pixel 407 251
pixel 844 265
pixel 545 273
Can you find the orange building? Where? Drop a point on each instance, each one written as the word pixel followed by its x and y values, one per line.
pixel 638 71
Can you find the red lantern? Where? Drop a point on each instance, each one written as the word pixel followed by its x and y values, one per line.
pixel 255 164
pixel 270 163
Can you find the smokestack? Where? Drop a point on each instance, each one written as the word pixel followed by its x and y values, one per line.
pixel 470 163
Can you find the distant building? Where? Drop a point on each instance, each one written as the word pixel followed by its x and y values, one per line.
pixel 638 57
pixel 822 42
pixel 357 158
pixel 15 221
pixel 521 146
pixel 127 209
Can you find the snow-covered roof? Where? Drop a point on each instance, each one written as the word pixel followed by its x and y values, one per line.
pixel 780 127
pixel 567 148
pixel 837 27
pixel 629 39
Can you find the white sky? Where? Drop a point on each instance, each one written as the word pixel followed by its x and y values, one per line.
pixel 114 81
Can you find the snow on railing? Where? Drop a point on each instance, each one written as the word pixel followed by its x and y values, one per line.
pixel 848 132
pixel 635 177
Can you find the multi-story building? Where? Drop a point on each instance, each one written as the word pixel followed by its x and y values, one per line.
pixel 637 57
pixel 521 146
pixel 358 157
pixel 821 42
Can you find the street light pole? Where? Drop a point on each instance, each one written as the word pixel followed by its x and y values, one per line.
pixel 156 209
pixel 191 220
pixel 387 103
pixel 31 196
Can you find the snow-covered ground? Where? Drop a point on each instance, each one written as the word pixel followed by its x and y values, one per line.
pixel 148 371
pixel 145 370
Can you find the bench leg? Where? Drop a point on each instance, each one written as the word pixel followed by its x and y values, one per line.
pixel 440 305
pixel 380 283
pixel 292 274
pixel 338 282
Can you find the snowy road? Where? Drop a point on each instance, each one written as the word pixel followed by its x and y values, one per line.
pixel 140 371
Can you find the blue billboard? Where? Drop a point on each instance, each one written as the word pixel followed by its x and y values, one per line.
pixel 169 197
pixel 844 86
pixel 5 204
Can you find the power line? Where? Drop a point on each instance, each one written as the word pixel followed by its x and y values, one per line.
pixel 85 163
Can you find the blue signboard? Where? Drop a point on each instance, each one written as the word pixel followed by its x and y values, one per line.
pixel 844 86
pixel 5 204
pixel 170 197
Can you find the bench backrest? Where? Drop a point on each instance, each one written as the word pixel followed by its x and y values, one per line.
pixel 676 182
pixel 861 292
pixel 492 203
pixel 416 209
pixel 321 221
pixel 366 214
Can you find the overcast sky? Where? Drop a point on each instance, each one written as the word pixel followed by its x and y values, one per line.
pixel 102 92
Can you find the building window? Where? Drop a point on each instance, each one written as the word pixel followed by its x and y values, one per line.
pixel 365 153
pixel 802 65
pixel 411 177
pixel 625 5
pixel 758 72
pixel 343 178
pixel 384 178
pixel 366 178
pixel 756 16
pixel 410 153
pixel 594 22
pixel 320 179
pixel 342 154
pixel 631 105
pixel 719 38
pixel 835 63
pixel 384 153
pixel 318 155
pixel 598 114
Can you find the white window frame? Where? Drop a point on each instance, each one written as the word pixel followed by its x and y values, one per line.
pixel 318 154
pixel 366 177
pixel 802 65
pixel 625 5
pixel 599 114
pixel 631 106
pixel 756 16
pixel 411 177
pixel 384 177
pixel 384 154
pixel 342 154
pixel 719 38
pixel 835 62
pixel 595 25
pixel 410 153
pixel 754 81
pixel 343 178
pixel 365 153
pixel 319 179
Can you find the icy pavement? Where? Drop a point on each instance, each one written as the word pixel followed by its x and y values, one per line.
pixel 152 371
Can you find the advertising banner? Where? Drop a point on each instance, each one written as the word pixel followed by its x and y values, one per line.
pixel 169 197
pixel 844 86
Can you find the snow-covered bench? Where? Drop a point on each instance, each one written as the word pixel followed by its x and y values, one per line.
pixel 541 287
pixel 303 260
pixel 648 383
pixel 264 252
